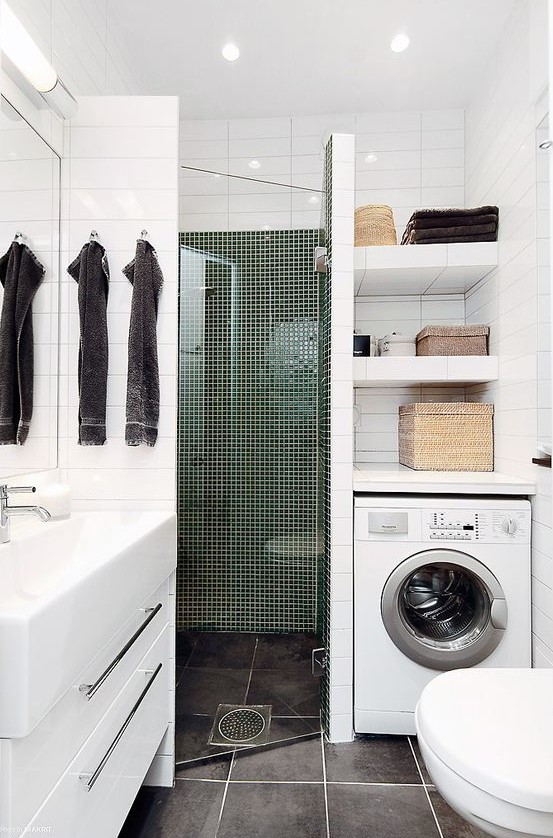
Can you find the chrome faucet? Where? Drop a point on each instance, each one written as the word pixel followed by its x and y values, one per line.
pixel 6 511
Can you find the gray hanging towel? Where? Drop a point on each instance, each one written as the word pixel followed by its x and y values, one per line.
pixel 21 274
pixel 90 269
pixel 143 371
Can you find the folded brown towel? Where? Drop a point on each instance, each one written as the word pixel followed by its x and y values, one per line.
pixel 448 232
pixel 454 211
pixel 452 221
pixel 483 237
pixel 450 218
pixel 21 274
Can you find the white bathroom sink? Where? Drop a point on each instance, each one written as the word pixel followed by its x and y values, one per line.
pixel 65 589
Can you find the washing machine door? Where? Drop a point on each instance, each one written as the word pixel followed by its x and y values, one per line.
pixel 444 609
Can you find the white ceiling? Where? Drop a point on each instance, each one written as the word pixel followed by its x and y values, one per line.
pixel 309 56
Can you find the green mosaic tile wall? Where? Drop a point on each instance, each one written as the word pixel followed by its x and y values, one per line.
pixel 248 493
pixel 325 320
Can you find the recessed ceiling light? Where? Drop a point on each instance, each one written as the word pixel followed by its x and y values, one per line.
pixel 230 52
pixel 399 43
pixel 371 158
pixel 254 164
pixel 314 199
pixel 215 174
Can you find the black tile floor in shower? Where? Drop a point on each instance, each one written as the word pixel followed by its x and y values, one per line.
pixel 303 787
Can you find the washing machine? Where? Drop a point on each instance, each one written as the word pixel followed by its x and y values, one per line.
pixel 439 584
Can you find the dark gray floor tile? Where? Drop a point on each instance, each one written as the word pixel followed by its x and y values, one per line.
pixel 299 760
pixel 184 646
pixel 268 810
pixel 210 768
pixel 282 728
pixel 191 741
pixel 424 771
pixel 285 651
pixel 452 824
pixel 289 691
pixel 190 809
pixel 202 690
pixel 371 759
pixel 357 811
pixel 223 650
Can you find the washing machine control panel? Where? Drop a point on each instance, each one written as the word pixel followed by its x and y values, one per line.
pixel 468 525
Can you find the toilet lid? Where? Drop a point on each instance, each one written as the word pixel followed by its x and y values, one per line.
pixel 494 727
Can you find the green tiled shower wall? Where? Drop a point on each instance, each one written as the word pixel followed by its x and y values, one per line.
pixel 248 489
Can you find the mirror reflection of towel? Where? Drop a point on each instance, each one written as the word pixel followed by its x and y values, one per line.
pixel 146 278
pixel 21 274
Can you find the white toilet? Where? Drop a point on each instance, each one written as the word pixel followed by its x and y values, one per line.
pixel 486 736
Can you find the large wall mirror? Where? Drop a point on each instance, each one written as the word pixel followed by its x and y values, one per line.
pixel 30 206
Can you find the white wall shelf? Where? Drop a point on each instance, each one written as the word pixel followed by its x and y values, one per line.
pixel 393 477
pixel 422 269
pixel 435 369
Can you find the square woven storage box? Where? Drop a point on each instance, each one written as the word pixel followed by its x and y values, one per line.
pixel 446 436
pixel 453 340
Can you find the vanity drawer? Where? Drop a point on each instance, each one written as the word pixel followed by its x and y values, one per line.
pixel 96 792
pixel 37 761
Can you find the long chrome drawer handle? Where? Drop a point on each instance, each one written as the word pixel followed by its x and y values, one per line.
pixel 88 690
pixel 90 779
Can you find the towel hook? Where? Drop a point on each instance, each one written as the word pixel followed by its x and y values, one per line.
pixel 144 235
pixel 19 237
pixel 94 236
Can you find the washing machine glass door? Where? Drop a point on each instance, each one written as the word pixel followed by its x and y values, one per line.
pixel 444 609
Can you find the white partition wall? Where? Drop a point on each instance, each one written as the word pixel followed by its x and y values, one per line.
pixel 119 177
pixel 338 458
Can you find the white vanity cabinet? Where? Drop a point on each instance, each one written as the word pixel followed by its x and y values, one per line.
pixel 79 770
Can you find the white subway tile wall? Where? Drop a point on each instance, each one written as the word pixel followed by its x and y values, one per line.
pixel 501 165
pixel 134 186
pixel 406 159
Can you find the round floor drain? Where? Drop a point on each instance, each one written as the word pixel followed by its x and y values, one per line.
pixel 241 725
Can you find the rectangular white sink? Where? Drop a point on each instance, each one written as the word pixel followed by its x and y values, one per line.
pixel 66 587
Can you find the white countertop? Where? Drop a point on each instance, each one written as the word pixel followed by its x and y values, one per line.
pixel 393 477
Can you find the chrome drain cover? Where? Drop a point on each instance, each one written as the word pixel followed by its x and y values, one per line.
pixel 241 725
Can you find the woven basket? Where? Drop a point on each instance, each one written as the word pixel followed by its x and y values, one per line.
pixel 374 225
pixel 446 436
pixel 453 340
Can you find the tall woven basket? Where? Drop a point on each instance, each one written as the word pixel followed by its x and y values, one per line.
pixel 374 225
pixel 446 436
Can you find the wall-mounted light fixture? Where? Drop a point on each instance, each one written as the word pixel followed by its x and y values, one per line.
pixel 19 47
